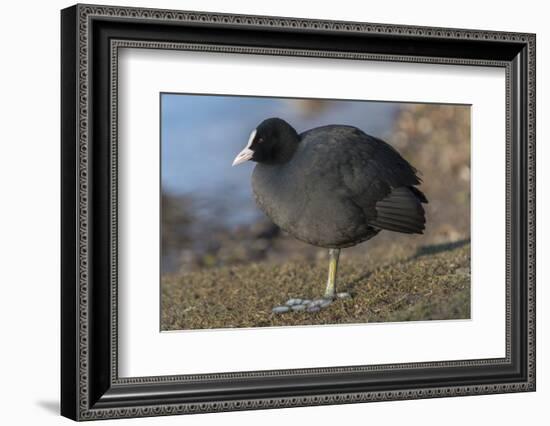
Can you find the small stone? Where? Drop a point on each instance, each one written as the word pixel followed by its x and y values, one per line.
pixel 343 295
pixel 306 302
pixel 280 309
pixel 292 302
pixel 313 309
pixel 298 307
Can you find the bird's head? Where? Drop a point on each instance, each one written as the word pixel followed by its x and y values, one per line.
pixel 272 142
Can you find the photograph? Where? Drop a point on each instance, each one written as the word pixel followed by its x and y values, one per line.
pixel 281 212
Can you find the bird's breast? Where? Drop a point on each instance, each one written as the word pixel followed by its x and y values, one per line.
pixel 309 208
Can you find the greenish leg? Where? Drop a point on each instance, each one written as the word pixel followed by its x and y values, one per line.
pixel 333 255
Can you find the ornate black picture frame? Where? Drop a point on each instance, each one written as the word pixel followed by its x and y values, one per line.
pixel 91 36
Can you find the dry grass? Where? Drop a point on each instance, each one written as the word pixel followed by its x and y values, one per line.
pixel 434 284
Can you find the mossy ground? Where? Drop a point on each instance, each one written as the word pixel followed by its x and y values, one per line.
pixel 433 284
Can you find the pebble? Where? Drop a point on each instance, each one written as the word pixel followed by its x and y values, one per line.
pixel 343 295
pixel 292 302
pixel 298 307
pixel 280 309
pixel 313 309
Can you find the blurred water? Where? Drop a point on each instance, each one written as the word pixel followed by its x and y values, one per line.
pixel 200 136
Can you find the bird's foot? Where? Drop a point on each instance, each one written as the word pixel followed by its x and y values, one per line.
pixel 308 305
pixel 294 304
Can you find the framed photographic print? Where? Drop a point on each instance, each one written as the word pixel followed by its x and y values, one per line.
pixel 263 212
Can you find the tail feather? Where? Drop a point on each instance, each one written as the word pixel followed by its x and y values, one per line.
pixel 402 211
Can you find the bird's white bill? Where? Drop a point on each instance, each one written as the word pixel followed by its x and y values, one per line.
pixel 245 155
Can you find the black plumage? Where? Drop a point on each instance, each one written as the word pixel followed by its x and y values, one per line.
pixel 333 186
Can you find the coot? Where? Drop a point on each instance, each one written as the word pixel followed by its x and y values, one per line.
pixel 333 186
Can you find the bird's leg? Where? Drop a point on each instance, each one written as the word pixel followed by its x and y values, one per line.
pixel 317 304
pixel 333 255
